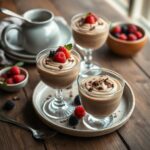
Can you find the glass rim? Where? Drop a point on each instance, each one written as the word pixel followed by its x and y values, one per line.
pixel 48 50
pixel 108 71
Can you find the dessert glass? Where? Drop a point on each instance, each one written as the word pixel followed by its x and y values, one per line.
pixel 58 76
pixel 88 38
pixel 100 96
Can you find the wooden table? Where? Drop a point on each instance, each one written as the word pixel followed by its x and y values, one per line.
pixel 134 135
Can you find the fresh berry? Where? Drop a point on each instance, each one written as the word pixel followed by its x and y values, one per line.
pixel 77 100
pixel 116 29
pixel 15 70
pixel 10 81
pixel 90 19
pixel 116 35
pixel 79 112
pixel 65 50
pixel 60 57
pixel 4 76
pixel 122 36
pixel 132 37
pixel 73 120
pixel 94 15
pixel 138 34
pixel 18 78
pixel 9 105
pixel 124 28
pixel 132 28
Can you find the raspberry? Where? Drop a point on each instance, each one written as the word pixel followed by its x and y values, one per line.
pixel 77 100
pixel 15 70
pixel 73 121
pixel 60 57
pixel 94 15
pixel 79 112
pixel 122 36
pixel 65 50
pixel 90 19
pixel 116 29
pixel 132 37
pixel 138 34
pixel 18 78
pixel 10 81
pixel 9 105
pixel 132 28
pixel 4 76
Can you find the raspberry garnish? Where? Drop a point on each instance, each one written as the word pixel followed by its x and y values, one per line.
pixel 79 112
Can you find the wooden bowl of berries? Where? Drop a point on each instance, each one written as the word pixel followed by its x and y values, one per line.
pixel 13 78
pixel 126 39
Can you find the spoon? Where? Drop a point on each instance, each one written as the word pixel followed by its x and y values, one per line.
pixel 13 14
pixel 37 134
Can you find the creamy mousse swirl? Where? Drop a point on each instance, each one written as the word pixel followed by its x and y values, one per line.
pixel 97 27
pixel 48 64
pixel 100 86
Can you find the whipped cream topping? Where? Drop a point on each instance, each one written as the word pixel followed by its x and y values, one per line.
pixel 100 86
pixel 80 26
pixel 50 65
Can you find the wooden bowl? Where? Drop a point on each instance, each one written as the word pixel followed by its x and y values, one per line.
pixel 126 48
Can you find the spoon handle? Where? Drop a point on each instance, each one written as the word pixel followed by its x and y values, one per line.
pixel 11 13
pixel 14 122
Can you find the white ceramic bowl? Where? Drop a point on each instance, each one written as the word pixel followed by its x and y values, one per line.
pixel 16 86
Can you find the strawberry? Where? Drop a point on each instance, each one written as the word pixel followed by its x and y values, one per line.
pixel 15 70
pixel 79 112
pixel 122 36
pixel 90 19
pixel 60 57
pixel 18 78
pixel 138 34
pixel 10 81
pixel 65 50
pixel 116 29
pixel 132 37
pixel 132 28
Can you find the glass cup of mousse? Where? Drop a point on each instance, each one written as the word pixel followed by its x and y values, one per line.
pixel 58 68
pixel 90 33
pixel 100 96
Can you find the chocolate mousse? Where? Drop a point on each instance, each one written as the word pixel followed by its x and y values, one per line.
pixel 89 30
pixel 100 94
pixel 57 70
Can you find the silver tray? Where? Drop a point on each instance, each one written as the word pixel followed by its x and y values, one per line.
pixel 121 115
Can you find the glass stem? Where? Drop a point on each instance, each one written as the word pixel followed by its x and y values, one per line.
pixel 88 57
pixel 59 102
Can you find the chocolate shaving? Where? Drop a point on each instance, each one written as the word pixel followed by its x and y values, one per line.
pixel 100 23
pixel 15 98
pixel 95 83
pixel 90 89
pixel 92 28
pixel 60 67
pixel 100 88
pixel 81 22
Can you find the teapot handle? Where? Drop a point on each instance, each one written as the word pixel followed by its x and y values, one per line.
pixel 4 37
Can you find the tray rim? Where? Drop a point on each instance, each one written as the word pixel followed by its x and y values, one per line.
pixel 86 133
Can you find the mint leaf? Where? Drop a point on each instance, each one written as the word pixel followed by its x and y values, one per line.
pixel 19 64
pixel 69 46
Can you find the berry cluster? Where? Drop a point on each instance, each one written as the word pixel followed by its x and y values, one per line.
pixel 127 32
pixel 13 76
pixel 61 54
pixel 79 112
pixel 91 18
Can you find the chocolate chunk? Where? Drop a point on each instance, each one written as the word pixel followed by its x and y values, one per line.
pixel 60 67
pixel 100 23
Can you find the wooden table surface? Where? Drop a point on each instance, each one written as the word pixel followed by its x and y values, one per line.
pixel 134 135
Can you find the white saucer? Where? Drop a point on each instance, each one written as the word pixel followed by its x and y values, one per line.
pixel 120 116
pixel 65 37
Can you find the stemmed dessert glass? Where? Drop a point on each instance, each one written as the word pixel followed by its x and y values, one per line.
pixel 88 41
pixel 100 104
pixel 56 107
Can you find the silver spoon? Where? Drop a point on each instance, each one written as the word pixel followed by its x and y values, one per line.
pixel 38 135
pixel 13 14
